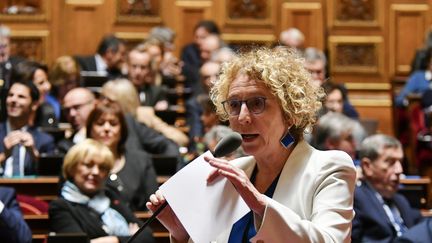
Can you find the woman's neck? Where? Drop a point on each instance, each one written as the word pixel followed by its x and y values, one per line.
pixel 118 162
pixel 270 166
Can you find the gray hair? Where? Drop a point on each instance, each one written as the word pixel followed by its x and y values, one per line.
pixel 5 31
pixel 331 126
pixel 163 34
pixel 312 54
pixel 372 146
pixel 291 32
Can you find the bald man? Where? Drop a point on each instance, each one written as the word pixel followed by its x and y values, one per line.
pixel 77 105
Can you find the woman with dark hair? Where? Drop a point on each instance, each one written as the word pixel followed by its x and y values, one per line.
pixel 49 109
pixel 132 175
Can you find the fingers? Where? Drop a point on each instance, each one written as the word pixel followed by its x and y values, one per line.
pixel 212 176
pixel 156 200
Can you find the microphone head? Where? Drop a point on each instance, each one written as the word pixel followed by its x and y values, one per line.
pixel 228 144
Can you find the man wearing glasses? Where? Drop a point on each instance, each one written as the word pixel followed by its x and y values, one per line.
pixel 77 105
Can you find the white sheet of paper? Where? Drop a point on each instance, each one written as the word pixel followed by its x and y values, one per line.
pixel 204 210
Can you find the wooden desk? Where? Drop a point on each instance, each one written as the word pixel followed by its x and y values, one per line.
pixel 416 190
pixel 39 225
pixel 42 187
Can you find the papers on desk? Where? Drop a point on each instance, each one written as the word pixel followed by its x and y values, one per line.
pixel 204 210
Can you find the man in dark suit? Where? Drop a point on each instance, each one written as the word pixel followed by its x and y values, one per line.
pixel 108 60
pixel 381 214
pixel 21 144
pixel 142 76
pixel 13 228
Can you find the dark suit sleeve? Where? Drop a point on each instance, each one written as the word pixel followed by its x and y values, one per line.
pixel 357 224
pixel 150 140
pixel 13 228
pixel 422 232
pixel 61 218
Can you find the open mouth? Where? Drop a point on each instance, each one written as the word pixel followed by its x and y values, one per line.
pixel 249 137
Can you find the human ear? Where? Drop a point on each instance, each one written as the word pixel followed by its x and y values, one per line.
pixel 366 165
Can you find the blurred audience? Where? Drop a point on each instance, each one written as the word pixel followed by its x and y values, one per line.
pixel 417 83
pixel 123 92
pixel 191 52
pixel 64 76
pixel 336 98
pixel 315 62
pixel 142 73
pixel 109 59
pixel 335 131
pixel 293 38
pixel 421 61
pixel 7 63
pixel 86 205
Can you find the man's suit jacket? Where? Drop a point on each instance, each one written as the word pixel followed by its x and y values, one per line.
pixel 87 63
pixel 13 228
pixel 69 217
pixel 371 223
pixel 142 137
pixel 44 143
pixel 312 201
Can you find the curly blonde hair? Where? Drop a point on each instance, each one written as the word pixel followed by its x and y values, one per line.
pixel 282 71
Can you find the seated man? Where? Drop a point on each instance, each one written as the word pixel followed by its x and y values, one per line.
pixel 21 144
pixel 381 214
pixel 77 105
pixel 108 60
pixel 13 228
pixel 337 131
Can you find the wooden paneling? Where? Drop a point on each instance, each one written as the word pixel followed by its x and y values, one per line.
pixel 305 16
pixel 356 54
pixel 367 13
pixel 408 23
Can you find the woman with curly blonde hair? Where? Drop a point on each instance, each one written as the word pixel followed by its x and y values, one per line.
pixel 295 193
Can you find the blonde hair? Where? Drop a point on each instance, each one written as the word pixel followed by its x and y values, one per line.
pixel 84 151
pixel 124 93
pixel 63 68
pixel 283 73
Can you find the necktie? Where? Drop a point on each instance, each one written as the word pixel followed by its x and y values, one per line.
pixel 16 160
pixel 397 220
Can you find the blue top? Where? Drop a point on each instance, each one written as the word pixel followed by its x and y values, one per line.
pixel 243 230
pixel 416 83
pixel 55 104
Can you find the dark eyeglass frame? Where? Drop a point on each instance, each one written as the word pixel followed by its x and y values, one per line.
pixel 226 103
pixel 76 107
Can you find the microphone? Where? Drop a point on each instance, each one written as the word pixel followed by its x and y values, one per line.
pixel 225 146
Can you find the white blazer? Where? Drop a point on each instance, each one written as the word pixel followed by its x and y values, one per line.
pixel 312 202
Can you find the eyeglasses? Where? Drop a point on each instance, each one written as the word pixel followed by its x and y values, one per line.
pixel 255 105
pixel 76 107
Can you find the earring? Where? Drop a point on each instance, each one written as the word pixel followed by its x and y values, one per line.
pixel 287 140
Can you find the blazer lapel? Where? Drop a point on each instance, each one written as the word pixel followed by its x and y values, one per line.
pixel 376 207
